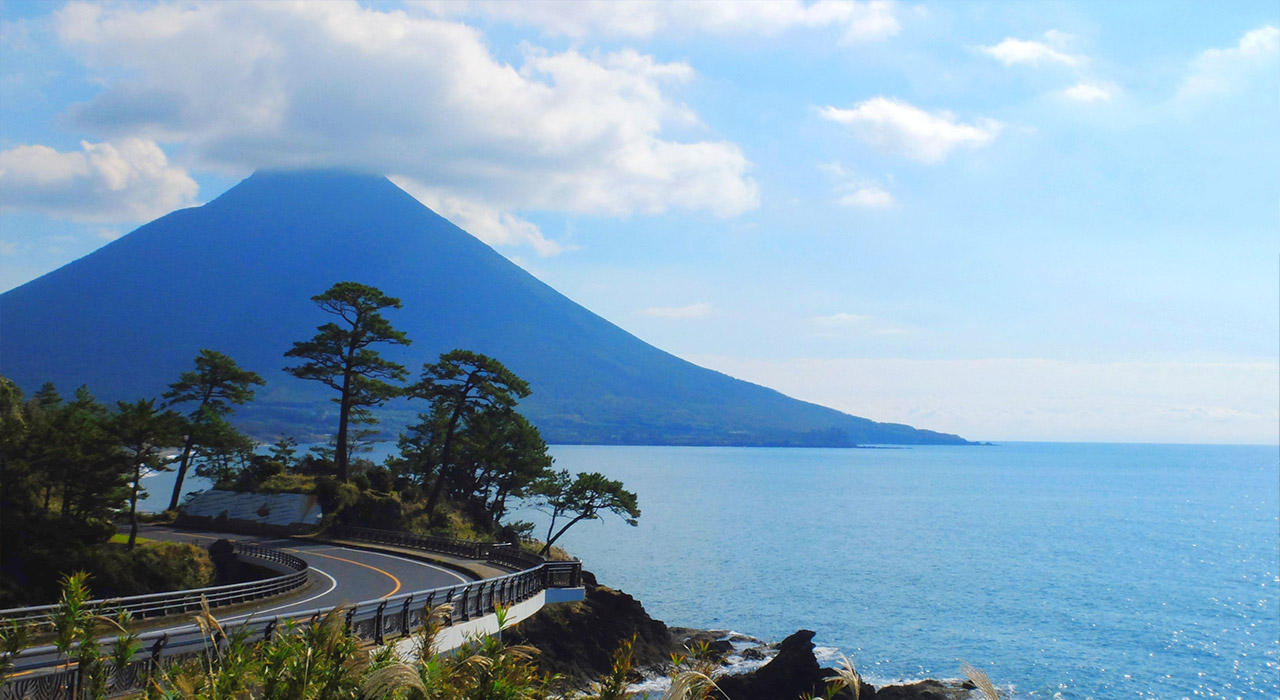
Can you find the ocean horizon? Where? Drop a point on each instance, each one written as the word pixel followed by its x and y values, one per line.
pixel 1066 570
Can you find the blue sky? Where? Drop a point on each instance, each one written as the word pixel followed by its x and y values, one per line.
pixel 1011 220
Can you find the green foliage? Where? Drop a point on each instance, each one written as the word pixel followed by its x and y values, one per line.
pixel 218 451
pixel 289 483
pixel 340 357
pixel 154 567
pixel 694 674
pixel 62 478
pixel 586 497
pixel 143 433
pixel 216 384
pixel 284 451
pixel 14 637
pixel 614 685
pixel 66 468
pixel 334 495
pixel 461 385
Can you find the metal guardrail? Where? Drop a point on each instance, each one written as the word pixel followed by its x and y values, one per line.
pixel 377 621
pixel 175 602
pixel 493 552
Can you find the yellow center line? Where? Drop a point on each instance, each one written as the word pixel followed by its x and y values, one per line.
pixel 295 551
pixel 59 667
pixel 357 563
pixel 329 556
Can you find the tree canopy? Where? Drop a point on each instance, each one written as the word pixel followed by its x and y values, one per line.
pixel 587 496
pixel 143 432
pixel 341 356
pixel 213 387
pixel 459 386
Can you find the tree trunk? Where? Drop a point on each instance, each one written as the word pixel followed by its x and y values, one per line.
pixel 344 412
pixel 567 525
pixel 448 440
pixel 133 506
pixel 444 459
pixel 550 528
pixel 499 508
pixel 182 469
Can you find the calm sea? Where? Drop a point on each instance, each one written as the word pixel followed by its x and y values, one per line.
pixel 1064 570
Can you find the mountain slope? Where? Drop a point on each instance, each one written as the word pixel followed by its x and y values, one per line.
pixel 236 275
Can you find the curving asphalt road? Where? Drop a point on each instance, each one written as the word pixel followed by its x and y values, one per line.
pixel 339 575
pixel 345 575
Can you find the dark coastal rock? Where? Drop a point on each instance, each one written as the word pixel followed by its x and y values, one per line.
pixel 792 673
pixel 755 653
pixel 795 672
pixel 578 640
pixel 922 690
pixel 685 639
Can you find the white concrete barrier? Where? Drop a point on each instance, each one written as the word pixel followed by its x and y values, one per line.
pixel 456 635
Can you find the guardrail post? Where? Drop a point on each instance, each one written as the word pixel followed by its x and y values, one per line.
pixel 377 623
pixel 404 617
pixel 153 664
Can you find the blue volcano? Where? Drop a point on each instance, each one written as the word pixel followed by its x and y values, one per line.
pixel 236 275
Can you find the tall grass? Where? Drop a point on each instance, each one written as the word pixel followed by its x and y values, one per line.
pixel 323 660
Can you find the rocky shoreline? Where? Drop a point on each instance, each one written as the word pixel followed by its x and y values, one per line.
pixel 577 642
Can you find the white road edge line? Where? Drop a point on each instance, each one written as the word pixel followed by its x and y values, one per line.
pixel 410 560
pixel 333 583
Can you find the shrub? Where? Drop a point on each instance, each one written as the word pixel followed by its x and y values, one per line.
pixel 335 496
pixel 288 483
pixel 371 509
pixel 150 568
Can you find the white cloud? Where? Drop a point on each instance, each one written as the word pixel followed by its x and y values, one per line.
pixel 698 310
pixel 897 127
pixel 484 222
pixel 857 192
pixel 866 197
pixel 332 84
pixel 126 180
pixel 1222 71
pixel 641 19
pixel 8 247
pixel 1090 92
pixel 846 324
pixel 841 320
pixel 1021 51
pixel 1038 399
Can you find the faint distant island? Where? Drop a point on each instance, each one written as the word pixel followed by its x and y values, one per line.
pixel 237 273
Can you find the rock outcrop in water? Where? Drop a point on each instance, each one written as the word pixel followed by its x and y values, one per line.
pixel 795 672
pixel 792 673
pixel 577 641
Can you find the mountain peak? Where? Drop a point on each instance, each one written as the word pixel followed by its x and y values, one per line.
pixel 237 274
pixel 309 187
